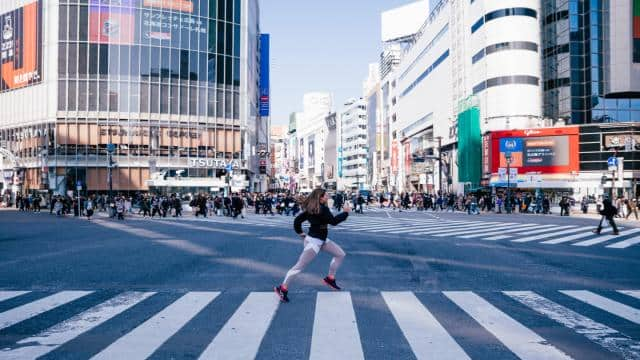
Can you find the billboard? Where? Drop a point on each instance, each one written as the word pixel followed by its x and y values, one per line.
pixel 176 5
pixel 636 31
pixel 111 25
pixel 21 47
pixel 312 151
pixel 265 104
pixel 548 151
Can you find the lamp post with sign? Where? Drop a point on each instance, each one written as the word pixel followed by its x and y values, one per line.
pixel 612 163
pixel 111 148
pixel 507 202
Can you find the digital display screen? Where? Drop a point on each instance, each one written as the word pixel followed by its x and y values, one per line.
pixel 21 47
pixel 535 151
pixel 636 31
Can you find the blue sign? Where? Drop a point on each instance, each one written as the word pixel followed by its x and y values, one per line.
pixel 229 168
pixel 612 161
pixel 265 104
pixel 79 183
pixel 111 148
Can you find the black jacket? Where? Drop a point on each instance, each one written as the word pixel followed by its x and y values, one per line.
pixel 319 222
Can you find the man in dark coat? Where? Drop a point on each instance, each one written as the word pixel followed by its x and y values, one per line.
pixel 608 212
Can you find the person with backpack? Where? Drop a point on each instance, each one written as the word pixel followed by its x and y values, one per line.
pixel 608 212
pixel 318 214
pixel 89 206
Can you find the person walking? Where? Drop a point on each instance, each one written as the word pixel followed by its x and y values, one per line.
pixel 632 208
pixel 608 212
pixel 89 206
pixel 316 212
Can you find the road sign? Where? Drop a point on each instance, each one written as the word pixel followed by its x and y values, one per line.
pixel 612 162
pixel 502 174
pixel 111 148
pixel 229 168
pixel 513 174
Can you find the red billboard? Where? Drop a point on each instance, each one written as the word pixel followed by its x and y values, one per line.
pixel 176 5
pixel 21 47
pixel 546 151
pixel 111 26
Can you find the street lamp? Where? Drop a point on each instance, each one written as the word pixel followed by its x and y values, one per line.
pixel 439 138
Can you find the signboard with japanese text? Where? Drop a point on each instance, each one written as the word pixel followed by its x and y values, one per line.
pixel 21 47
pixel 546 150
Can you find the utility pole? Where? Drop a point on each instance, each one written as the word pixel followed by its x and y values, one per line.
pixel 110 150
pixel 508 200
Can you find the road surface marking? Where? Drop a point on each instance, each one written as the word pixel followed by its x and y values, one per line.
pixel 54 337
pixel 6 295
pixel 449 227
pixel 26 311
pixel 600 334
pixel 241 336
pixel 601 239
pixel 568 238
pixel 608 305
pixel 523 342
pixel 632 293
pixel 476 228
pixel 426 336
pixel 536 232
pixel 491 232
pixel 142 341
pixel 335 331
pixel 546 236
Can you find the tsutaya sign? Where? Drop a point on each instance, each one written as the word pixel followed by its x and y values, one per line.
pixel 213 163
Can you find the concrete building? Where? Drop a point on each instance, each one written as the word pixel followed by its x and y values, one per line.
pixel 311 132
pixel 353 149
pixel 279 167
pixel 83 80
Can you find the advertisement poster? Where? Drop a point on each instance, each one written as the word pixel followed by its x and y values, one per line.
pixel 394 156
pixel 175 5
pixel 312 151
pixel 21 47
pixel 111 25
pixel 302 151
pixel 549 150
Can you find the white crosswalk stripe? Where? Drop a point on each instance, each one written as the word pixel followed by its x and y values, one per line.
pixel 602 239
pixel 547 235
pixel 336 330
pixel 473 230
pixel 52 338
pixel 426 336
pixel 241 336
pixel 492 232
pixel 6 295
pixel 24 312
pixel 522 341
pixel 625 243
pixel 608 305
pixel 602 335
pixel 146 338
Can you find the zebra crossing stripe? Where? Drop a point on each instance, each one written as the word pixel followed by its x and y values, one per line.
pixel 448 228
pixel 608 305
pixel 568 238
pixel 602 239
pixel 335 331
pixel 536 232
pixel 141 342
pixel 56 336
pixel 523 342
pixel 24 312
pixel 475 229
pixel 625 243
pixel 632 293
pixel 426 336
pixel 241 336
pixel 600 334
pixel 507 230
pixel 546 236
pixel 6 295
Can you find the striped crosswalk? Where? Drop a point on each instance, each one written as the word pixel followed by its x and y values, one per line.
pixel 336 327
pixel 472 228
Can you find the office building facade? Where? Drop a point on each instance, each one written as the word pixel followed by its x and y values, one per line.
pixel 171 87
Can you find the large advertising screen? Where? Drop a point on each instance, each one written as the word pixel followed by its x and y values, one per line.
pixel 21 47
pixel 553 150
pixel 636 31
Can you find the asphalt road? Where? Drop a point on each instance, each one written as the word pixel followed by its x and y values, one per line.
pixel 415 285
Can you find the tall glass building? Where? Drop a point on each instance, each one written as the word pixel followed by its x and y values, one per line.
pixel 591 60
pixel 171 86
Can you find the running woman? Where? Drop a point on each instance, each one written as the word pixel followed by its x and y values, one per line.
pixel 316 212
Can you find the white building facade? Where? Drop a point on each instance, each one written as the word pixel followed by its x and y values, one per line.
pixel 353 149
pixel 311 132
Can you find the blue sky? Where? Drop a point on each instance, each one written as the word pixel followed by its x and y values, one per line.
pixel 320 46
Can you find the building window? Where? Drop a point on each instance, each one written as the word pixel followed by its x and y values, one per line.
pixel 506 80
pixel 514 45
pixel 502 13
